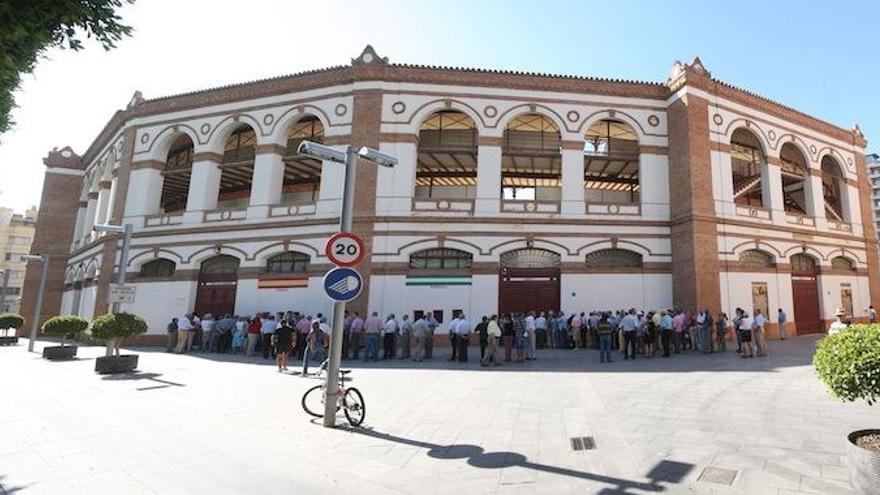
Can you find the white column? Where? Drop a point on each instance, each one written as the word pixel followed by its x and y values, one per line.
pixel 573 193
pixel 722 183
pixel 396 186
pixel 144 193
pixel 89 223
pixel 771 192
pixel 488 201
pixel 332 183
pixel 850 203
pixel 78 225
pixel 267 183
pixel 103 202
pixel 817 200
pixel 111 204
pixel 204 189
pixel 654 182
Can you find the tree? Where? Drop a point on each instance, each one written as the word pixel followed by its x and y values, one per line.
pixel 30 27
pixel 65 326
pixel 114 327
pixel 848 363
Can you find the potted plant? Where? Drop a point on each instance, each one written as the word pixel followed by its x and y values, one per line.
pixel 10 321
pixel 66 326
pixel 848 363
pixel 113 328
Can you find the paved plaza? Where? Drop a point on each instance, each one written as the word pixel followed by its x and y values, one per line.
pixel 222 424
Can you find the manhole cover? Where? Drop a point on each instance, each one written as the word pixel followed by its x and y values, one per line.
pixel 582 443
pixel 718 475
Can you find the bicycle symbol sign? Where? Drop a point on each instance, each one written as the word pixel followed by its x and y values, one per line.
pixel 343 284
pixel 345 249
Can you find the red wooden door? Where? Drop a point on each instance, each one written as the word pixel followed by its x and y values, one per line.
pixel 528 289
pixel 805 292
pixel 216 297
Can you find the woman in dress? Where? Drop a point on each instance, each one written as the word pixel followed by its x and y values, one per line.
pixel 282 339
pixel 239 338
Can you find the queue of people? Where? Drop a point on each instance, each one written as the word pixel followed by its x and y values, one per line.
pixel 511 337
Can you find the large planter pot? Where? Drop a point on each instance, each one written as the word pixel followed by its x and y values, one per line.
pixel 59 352
pixel 864 465
pixel 125 363
pixel 9 340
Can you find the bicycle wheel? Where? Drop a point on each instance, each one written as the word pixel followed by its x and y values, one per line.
pixel 355 407
pixel 313 401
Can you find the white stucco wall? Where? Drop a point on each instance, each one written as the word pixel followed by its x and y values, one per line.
pixel 588 292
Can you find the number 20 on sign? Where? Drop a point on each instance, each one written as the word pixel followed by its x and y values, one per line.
pixel 345 249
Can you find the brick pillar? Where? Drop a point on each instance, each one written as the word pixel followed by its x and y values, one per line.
pixel 869 230
pixel 695 265
pixel 54 232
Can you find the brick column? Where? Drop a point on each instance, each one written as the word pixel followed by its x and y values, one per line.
pixel 695 265
pixel 54 232
pixel 870 232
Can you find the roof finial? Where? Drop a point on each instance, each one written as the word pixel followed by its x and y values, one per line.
pixel 857 131
pixel 698 67
pixel 136 99
pixel 369 57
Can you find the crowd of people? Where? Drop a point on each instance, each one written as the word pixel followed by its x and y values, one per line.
pixel 511 337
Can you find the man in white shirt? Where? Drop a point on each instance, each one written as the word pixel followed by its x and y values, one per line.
pixel 746 324
pixel 758 333
pixel 184 332
pixel 453 325
pixel 530 333
pixel 389 332
pixel 462 335
pixel 541 331
pixel 268 325
pixel 838 325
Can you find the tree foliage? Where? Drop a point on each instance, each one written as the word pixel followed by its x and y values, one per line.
pixel 65 326
pixel 11 320
pixel 848 363
pixel 118 326
pixel 29 27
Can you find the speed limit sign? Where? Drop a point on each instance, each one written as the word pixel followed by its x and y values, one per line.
pixel 345 249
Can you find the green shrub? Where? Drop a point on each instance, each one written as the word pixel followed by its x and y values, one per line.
pixel 11 320
pixel 65 326
pixel 118 326
pixel 848 363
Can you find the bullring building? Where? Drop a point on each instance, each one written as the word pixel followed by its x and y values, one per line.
pixel 513 191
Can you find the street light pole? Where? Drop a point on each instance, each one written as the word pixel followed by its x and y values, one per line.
pixel 44 273
pixel 331 390
pixel 123 262
pixel 3 291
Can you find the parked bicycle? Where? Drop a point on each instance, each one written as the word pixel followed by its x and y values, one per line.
pixel 348 399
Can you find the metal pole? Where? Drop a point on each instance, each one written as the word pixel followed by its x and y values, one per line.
pixel 331 389
pixel 3 292
pixel 120 278
pixel 35 322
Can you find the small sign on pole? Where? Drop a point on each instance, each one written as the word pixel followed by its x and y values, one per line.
pixel 345 249
pixel 343 284
pixel 121 293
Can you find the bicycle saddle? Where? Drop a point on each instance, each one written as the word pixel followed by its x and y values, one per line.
pixel 344 372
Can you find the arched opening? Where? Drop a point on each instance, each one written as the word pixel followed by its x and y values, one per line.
pixel 842 265
pixel 833 185
pixel 176 175
pixel 805 293
pixel 747 163
pixel 441 261
pixel 237 168
pixel 611 163
pixel 157 268
pixel 302 174
pixel 218 281
pixel 755 259
pixel 529 280
pixel 447 157
pixel 531 161
pixel 794 176
pixel 614 258
pixel 288 262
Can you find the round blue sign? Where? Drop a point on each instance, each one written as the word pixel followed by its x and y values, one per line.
pixel 343 284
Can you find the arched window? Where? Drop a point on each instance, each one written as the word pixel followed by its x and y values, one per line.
pixel 803 264
pixel 755 258
pixel 794 174
pixel 614 258
pixel 833 185
pixel 841 264
pixel 441 259
pixel 222 264
pixel 530 258
pixel 302 174
pixel 176 175
pixel 611 163
pixel 447 157
pixel 160 267
pixel 531 160
pixel 237 168
pixel 288 262
pixel 747 163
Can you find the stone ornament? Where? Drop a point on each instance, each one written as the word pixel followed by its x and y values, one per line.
pixel 490 111
pixel 718 119
pixel 205 128
pixel 340 110
pixel 653 120
pixel 398 107
pixel 268 119
pixel 573 116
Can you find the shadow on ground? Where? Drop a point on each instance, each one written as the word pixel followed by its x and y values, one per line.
pixel 136 375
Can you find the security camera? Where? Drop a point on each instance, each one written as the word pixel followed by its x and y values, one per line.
pixel 377 156
pixel 321 152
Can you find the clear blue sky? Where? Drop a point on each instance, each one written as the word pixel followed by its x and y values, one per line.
pixel 820 58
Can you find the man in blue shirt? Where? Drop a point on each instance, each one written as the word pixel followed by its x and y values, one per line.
pixel 629 324
pixel 665 331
